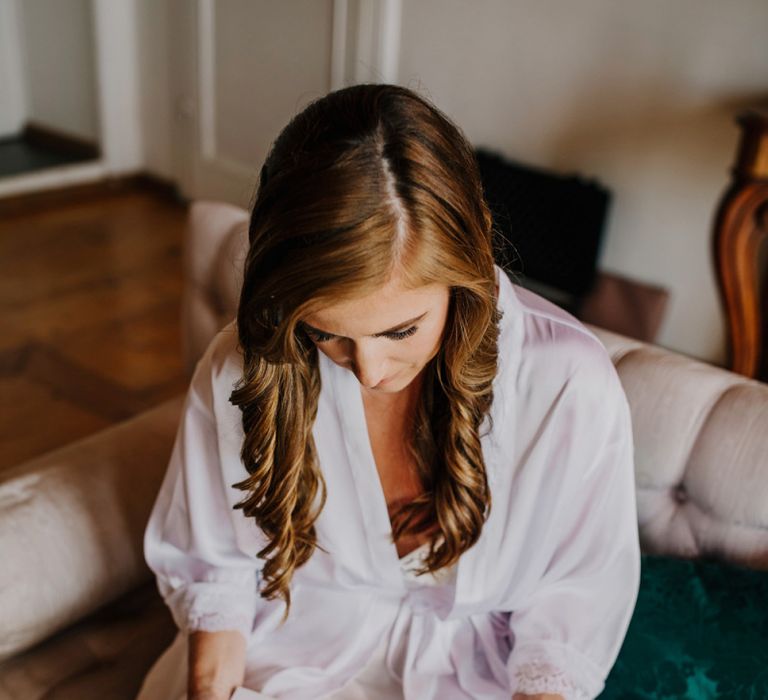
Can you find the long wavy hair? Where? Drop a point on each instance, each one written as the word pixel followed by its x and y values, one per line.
pixel 367 182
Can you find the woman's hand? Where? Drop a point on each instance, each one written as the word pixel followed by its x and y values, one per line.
pixel 216 664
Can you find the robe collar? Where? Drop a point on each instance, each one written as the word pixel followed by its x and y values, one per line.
pixel 347 402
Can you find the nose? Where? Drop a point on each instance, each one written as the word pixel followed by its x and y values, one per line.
pixel 368 365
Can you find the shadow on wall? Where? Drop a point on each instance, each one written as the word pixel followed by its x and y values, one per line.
pixel 688 140
pixel 668 166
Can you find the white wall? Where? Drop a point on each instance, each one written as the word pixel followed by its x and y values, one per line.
pixel 154 24
pixel 641 95
pixel 254 98
pixel 218 80
pixel 118 48
pixel 58 47
pixel 106 70
pixel 13 99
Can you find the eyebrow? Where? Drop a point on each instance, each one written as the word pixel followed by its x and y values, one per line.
pixel 394 329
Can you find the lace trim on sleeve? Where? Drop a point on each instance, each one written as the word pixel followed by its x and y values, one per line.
pixel 535 677
pixel 217 622
pixel 212 607
pixel 548 666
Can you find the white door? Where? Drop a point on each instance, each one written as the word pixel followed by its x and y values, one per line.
pixel 242 68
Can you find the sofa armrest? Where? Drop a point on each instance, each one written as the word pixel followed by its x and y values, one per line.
pixel 72 523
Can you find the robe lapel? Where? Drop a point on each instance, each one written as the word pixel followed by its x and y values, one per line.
pixel 357 510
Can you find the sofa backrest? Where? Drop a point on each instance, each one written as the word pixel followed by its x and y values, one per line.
pixel 215 245
pixel 701 453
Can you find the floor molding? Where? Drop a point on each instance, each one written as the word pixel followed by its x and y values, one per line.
pixel 51 198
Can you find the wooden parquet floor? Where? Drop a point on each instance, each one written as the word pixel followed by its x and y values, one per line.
pixel 90 295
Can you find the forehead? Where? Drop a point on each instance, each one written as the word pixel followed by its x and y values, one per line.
pixel 367 315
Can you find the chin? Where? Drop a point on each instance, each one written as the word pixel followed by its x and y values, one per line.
pixel 397 384
pixel 393 386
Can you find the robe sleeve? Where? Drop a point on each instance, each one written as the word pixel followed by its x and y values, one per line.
pixel 190 543
pixel 568 632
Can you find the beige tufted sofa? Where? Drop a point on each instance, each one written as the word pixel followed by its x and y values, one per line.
pixel 80 616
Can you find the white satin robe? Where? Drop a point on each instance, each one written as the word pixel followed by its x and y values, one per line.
pixel 540 603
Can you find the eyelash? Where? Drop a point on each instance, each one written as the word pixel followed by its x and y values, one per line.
pixel 398 335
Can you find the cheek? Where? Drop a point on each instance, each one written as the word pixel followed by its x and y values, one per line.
pixel 332 354
pixel 426 347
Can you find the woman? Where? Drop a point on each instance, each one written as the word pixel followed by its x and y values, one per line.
pixel 397 473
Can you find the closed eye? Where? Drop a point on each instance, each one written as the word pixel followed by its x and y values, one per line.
pixel 397 335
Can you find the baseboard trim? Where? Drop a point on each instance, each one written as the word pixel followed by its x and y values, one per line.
pixel 51 139
pixel 143 181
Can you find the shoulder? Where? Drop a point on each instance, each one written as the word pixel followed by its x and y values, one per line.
pixel 554 356
pixel 564 392
pixel 221 365
pixel 549 324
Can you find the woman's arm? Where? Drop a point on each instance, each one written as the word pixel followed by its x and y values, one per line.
pixel 206 579
pixel 216 664
pixel 568 632
pixel 540 696
pixel 205 576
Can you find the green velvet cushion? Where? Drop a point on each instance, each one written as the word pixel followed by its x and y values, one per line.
pixel 699 630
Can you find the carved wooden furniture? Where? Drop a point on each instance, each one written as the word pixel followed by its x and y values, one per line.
pixel 741 226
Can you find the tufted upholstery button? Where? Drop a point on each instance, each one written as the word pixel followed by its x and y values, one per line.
pixel 679 493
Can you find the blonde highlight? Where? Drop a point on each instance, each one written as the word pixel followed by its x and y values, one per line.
pixel 365 183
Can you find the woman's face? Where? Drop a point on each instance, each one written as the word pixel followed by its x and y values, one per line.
pixel 386 338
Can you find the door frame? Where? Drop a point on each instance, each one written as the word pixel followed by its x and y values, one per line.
pixel 116 55
pixel 364 48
